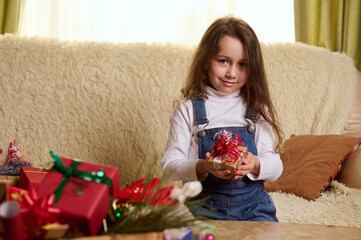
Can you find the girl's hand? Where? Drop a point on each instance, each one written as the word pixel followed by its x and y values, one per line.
pixel 203 168
pixel 250 165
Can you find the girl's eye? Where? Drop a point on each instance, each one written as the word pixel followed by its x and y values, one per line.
pixel 223 61
pixel 243 64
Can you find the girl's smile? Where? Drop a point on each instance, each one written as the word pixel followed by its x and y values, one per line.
pixel 227 70
pixel 228 83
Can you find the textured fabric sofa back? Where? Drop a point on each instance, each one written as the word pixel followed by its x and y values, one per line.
pixel 110 103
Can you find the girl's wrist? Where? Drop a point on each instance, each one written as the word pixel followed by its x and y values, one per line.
pixel 201 168
pixel 257 167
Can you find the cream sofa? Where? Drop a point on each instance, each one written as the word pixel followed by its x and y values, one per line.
pixel 110 103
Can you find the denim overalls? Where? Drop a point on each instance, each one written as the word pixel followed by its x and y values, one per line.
pixel 241 199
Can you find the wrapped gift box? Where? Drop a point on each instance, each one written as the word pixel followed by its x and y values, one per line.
pixel 224 162
pixel 51 230
pixel 83 204
pixel 30 177
pixel 228 152
pixel 9 180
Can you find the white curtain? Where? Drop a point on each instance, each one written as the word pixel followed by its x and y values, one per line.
pixel 182 21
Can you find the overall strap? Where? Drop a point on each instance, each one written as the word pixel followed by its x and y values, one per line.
pixel 249 115
pixel 200 114
pixel 250 118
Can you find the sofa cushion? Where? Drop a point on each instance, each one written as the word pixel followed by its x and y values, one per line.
pixel 310 161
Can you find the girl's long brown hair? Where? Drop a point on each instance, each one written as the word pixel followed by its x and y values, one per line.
pixel 255 91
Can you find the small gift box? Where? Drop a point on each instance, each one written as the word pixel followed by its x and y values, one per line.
pixel 39 216
pixel 227 153
pixel 35 218
pixel 30 177
pixel 81 191
pixel 9 180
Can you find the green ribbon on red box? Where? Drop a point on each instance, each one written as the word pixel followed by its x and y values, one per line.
pixel 98 177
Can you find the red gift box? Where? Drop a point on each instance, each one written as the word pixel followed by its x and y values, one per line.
pixel 83 204
pixel 30 177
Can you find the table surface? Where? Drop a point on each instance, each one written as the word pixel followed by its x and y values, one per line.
pixel 267 230
pixel 228 230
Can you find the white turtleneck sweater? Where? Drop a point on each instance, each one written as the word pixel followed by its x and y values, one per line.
pixel 223 110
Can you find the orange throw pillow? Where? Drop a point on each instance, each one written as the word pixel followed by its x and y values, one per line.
pixel 309 161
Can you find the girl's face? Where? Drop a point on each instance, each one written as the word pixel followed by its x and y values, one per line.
pixel 227 70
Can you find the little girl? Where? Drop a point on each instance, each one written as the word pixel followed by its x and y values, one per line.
pixel 226 88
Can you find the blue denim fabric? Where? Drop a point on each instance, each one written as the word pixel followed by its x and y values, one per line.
pixel 199 110
pixel 241 199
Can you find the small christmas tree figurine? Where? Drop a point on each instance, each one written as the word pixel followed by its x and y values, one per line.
pixel 15 161
pixel 15 154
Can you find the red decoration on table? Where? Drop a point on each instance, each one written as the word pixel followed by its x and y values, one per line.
pixel 141 192
pixel 163 197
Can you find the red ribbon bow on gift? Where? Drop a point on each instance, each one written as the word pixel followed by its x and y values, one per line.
pixel 38 214
pixel 226 145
